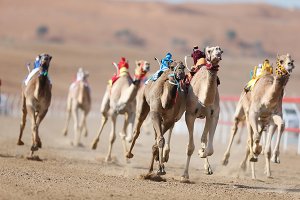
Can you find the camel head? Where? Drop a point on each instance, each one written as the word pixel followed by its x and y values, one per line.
pixel 82 75
pixel 142 68
pixel 45 63
pixel 213 54
pixel 178 68
pixel 285 65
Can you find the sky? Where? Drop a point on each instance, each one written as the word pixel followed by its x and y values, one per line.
pixel 281 3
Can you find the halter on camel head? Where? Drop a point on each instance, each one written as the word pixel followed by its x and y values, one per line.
pixel 44 63
pixel 178 73
pixel 285 65
pixel 213 57
pixel 143 67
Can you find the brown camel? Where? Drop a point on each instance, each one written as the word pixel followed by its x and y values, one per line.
pixel 165 100
pixel 265 111
pixel 79 98
pixel 120 99
pixel 203 102
pixel 36 98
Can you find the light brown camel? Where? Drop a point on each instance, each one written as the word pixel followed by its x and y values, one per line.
pixel 203 102
pixel 165 100
pixel 265 110
pixel 36 98
pixel 120 99
pixel 79 98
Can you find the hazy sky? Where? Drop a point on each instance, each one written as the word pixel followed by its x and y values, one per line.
pixel 283 3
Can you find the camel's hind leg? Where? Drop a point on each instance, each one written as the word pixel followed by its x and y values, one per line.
pixel 23 121
pixel 69 106
pixel 190 120
pixel 232 135
pixel 112 136
pixel 77 132
pixel 39 119
pixel 104 115
pixel 267 149
pixel 142 112
pixel 124 131
pixel 34 129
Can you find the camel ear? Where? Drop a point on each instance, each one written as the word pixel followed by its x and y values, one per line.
pixel 50 57
pixel 207 50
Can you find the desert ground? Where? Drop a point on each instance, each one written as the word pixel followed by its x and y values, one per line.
pixel 94 34
pixel 66 172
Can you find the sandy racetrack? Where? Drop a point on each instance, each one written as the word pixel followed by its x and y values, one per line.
pixel 66 172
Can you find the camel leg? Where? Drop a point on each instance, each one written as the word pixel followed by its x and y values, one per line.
pixel 153 157
pixel 202 151
pixel 34 129
pixel 267 149
pixel 190 120
pixel 250 141
pixel 112 136
pixel 131 118
pixel 76 125
pixel 123 133
pixel 39 119
pixel 253 119
pixel 280 128
pixel 104 112
pixel 243 164
pixel 242 128
pixel 23 121
pixel 253 170
pixel 160 140
pixel 69 105
pixel 233 133
pixel 83 124
pixel 142 112
pixel 166 150
pixel 210 150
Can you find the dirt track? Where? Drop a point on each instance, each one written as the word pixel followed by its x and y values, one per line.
pixel 66 172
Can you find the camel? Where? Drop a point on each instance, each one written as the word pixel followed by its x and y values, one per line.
pixel 164 99
pixel 264 111
pixel 120 99
pixel 36 98
pixel 203 102
pixel 79 98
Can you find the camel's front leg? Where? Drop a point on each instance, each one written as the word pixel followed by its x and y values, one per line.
pixel 112 136
pixel 280 128
pixel 166 150
pixel 160 140
pixel 83 126
pixel 250 142
pixel 210 149
pixel 123 133
pixel 203 149
pixel 131 117
pixel 190 120
pixel 23 121
pixel 253 120
pixel 76 126
pixel 34 129
pixel 69 106
pixel 267 149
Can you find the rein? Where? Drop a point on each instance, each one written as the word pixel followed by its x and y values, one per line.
pixel 177 83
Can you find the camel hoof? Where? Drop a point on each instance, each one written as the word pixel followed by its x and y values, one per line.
pixel 202 153
pixel 108 159
pixel 209 171
pixel 20 142
pixel 34 147
pixel 184 179
pixel 129 155
pixel 225 159
pixel 161 172
pixel 39 144
pixel 94 145
pixel 275 159
pixel 253 159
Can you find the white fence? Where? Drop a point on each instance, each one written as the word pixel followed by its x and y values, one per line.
pixel 10 105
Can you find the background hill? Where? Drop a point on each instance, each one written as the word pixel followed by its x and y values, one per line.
pixel 95 33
